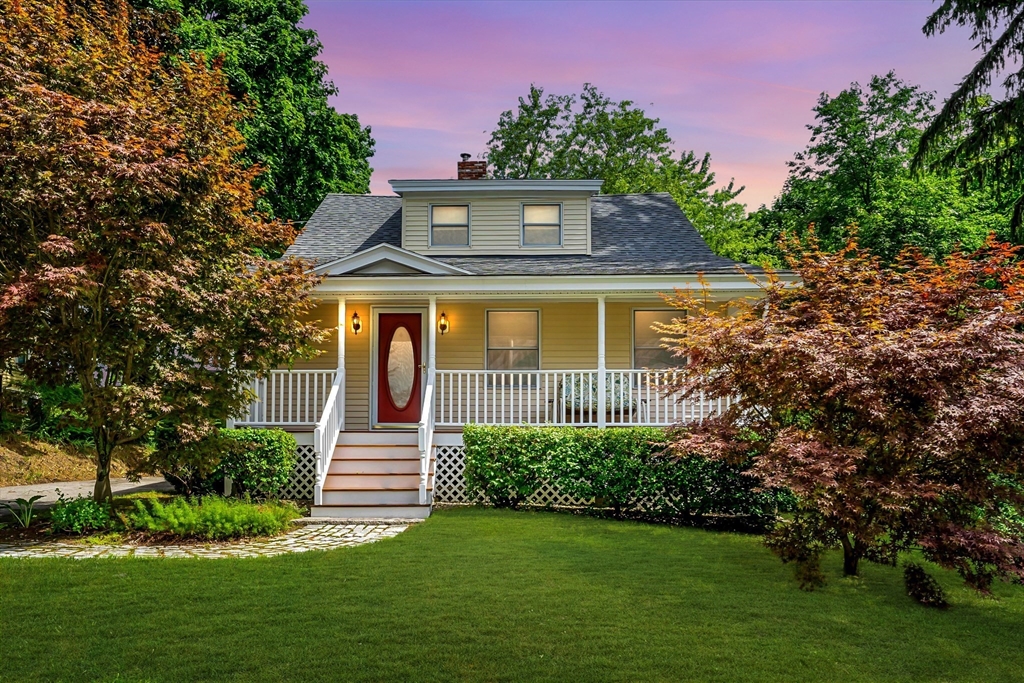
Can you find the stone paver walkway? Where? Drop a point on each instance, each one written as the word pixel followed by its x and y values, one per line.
pixel 305 538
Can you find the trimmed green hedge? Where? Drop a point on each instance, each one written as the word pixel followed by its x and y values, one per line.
pixel 261 462
pixel 625 469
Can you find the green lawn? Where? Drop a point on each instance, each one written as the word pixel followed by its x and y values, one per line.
pixel 496 596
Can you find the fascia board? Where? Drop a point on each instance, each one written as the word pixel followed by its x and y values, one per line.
pixel 390 252
pixel 547 284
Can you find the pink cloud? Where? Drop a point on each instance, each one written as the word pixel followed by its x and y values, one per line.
pixel 737 79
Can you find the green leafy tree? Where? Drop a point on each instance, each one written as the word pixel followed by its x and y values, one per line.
pixel 305 147
pixel 973 131
pixel 129 256
pixel 856 171
pixel 590 136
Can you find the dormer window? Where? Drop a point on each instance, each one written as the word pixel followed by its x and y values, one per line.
pixel 449 225
pixel 542 225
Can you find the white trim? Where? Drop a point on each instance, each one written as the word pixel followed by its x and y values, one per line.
pixel 387 252
pixel 493 185
pixel 734 284
pixel 342 331
pixel 522 225
pixel 590 250
pixel 602 382
pixel 487 337
pixel 375 312
pixel 469 226
pixel 433 335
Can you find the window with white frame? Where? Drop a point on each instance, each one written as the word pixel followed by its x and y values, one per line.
pixel 647 342
pixel 542 225
pixel 449 226
pixel 513 340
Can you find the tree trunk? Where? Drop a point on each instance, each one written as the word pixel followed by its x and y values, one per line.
pixel 850 561
pixel 851 555
pixel 102 491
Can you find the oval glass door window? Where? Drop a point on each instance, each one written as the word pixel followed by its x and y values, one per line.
pixel 401 368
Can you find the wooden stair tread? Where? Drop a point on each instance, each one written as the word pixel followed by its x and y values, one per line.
pixel 376 488
pixel 373 505
pixel 377 459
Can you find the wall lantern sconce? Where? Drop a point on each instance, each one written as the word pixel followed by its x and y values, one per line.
pixel 442 324
pixel 357 324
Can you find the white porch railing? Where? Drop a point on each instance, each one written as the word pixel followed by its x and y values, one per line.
pixel 289 398
pixel 426 440
pixel 325 436
pixel 564 397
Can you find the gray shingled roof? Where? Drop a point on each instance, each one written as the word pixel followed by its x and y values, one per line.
pixel 632 234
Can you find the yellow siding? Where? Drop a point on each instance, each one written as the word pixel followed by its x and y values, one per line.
pixel 568 341
pixel 357 369
pixel 619 328
pixel 326 314
pixel 568 334
pixel 495 225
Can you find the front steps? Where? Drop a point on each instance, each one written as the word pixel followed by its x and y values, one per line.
pixel 375 475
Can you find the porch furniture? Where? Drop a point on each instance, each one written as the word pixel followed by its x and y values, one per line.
pixel 579 395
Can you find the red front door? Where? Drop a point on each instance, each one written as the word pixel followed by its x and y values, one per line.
pixel 398 367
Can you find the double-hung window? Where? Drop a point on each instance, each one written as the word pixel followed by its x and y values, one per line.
pixel 647 343
pixel 449 226
pixel 513 340
pixel 542 225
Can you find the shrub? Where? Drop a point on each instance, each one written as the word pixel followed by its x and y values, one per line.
pixel 922 587
pixel 505 463
pixel 211 518
pixel 260 462
pixel 55 414
pixel 625 469
pixel 79 515
pixel 187 460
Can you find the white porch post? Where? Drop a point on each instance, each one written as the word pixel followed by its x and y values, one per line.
pixel 602 382
pixel 432 337
pixel 342 312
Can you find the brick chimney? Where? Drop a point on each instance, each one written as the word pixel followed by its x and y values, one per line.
pixel 471 170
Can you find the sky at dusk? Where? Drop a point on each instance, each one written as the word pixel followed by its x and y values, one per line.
pixel 737 79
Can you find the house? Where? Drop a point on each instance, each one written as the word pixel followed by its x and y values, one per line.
pixel 478 300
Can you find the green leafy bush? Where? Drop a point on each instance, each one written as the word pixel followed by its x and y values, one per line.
pixel 79 515
pixel 211 518
pixel 188 461
pixel 624 469
pixel 55 414
pixel 922 587
pixel 507 464
pixel 260 462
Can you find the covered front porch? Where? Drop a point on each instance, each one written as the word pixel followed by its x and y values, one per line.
pixel 401 374
pixel 392 364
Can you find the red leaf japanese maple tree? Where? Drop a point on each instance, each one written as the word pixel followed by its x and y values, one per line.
pixel 130 247
pixel 890 400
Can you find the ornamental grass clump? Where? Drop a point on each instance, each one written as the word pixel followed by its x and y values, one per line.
pixel 210 518
pixel 889 400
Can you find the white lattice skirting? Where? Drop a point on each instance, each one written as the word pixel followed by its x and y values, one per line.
pixel 303 479
pixel 450 482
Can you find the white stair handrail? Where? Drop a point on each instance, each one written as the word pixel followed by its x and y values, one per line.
pixel 425 439
pixel 325 435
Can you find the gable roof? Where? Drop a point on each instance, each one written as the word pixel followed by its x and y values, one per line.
pixel 387 259
pixel 631 234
